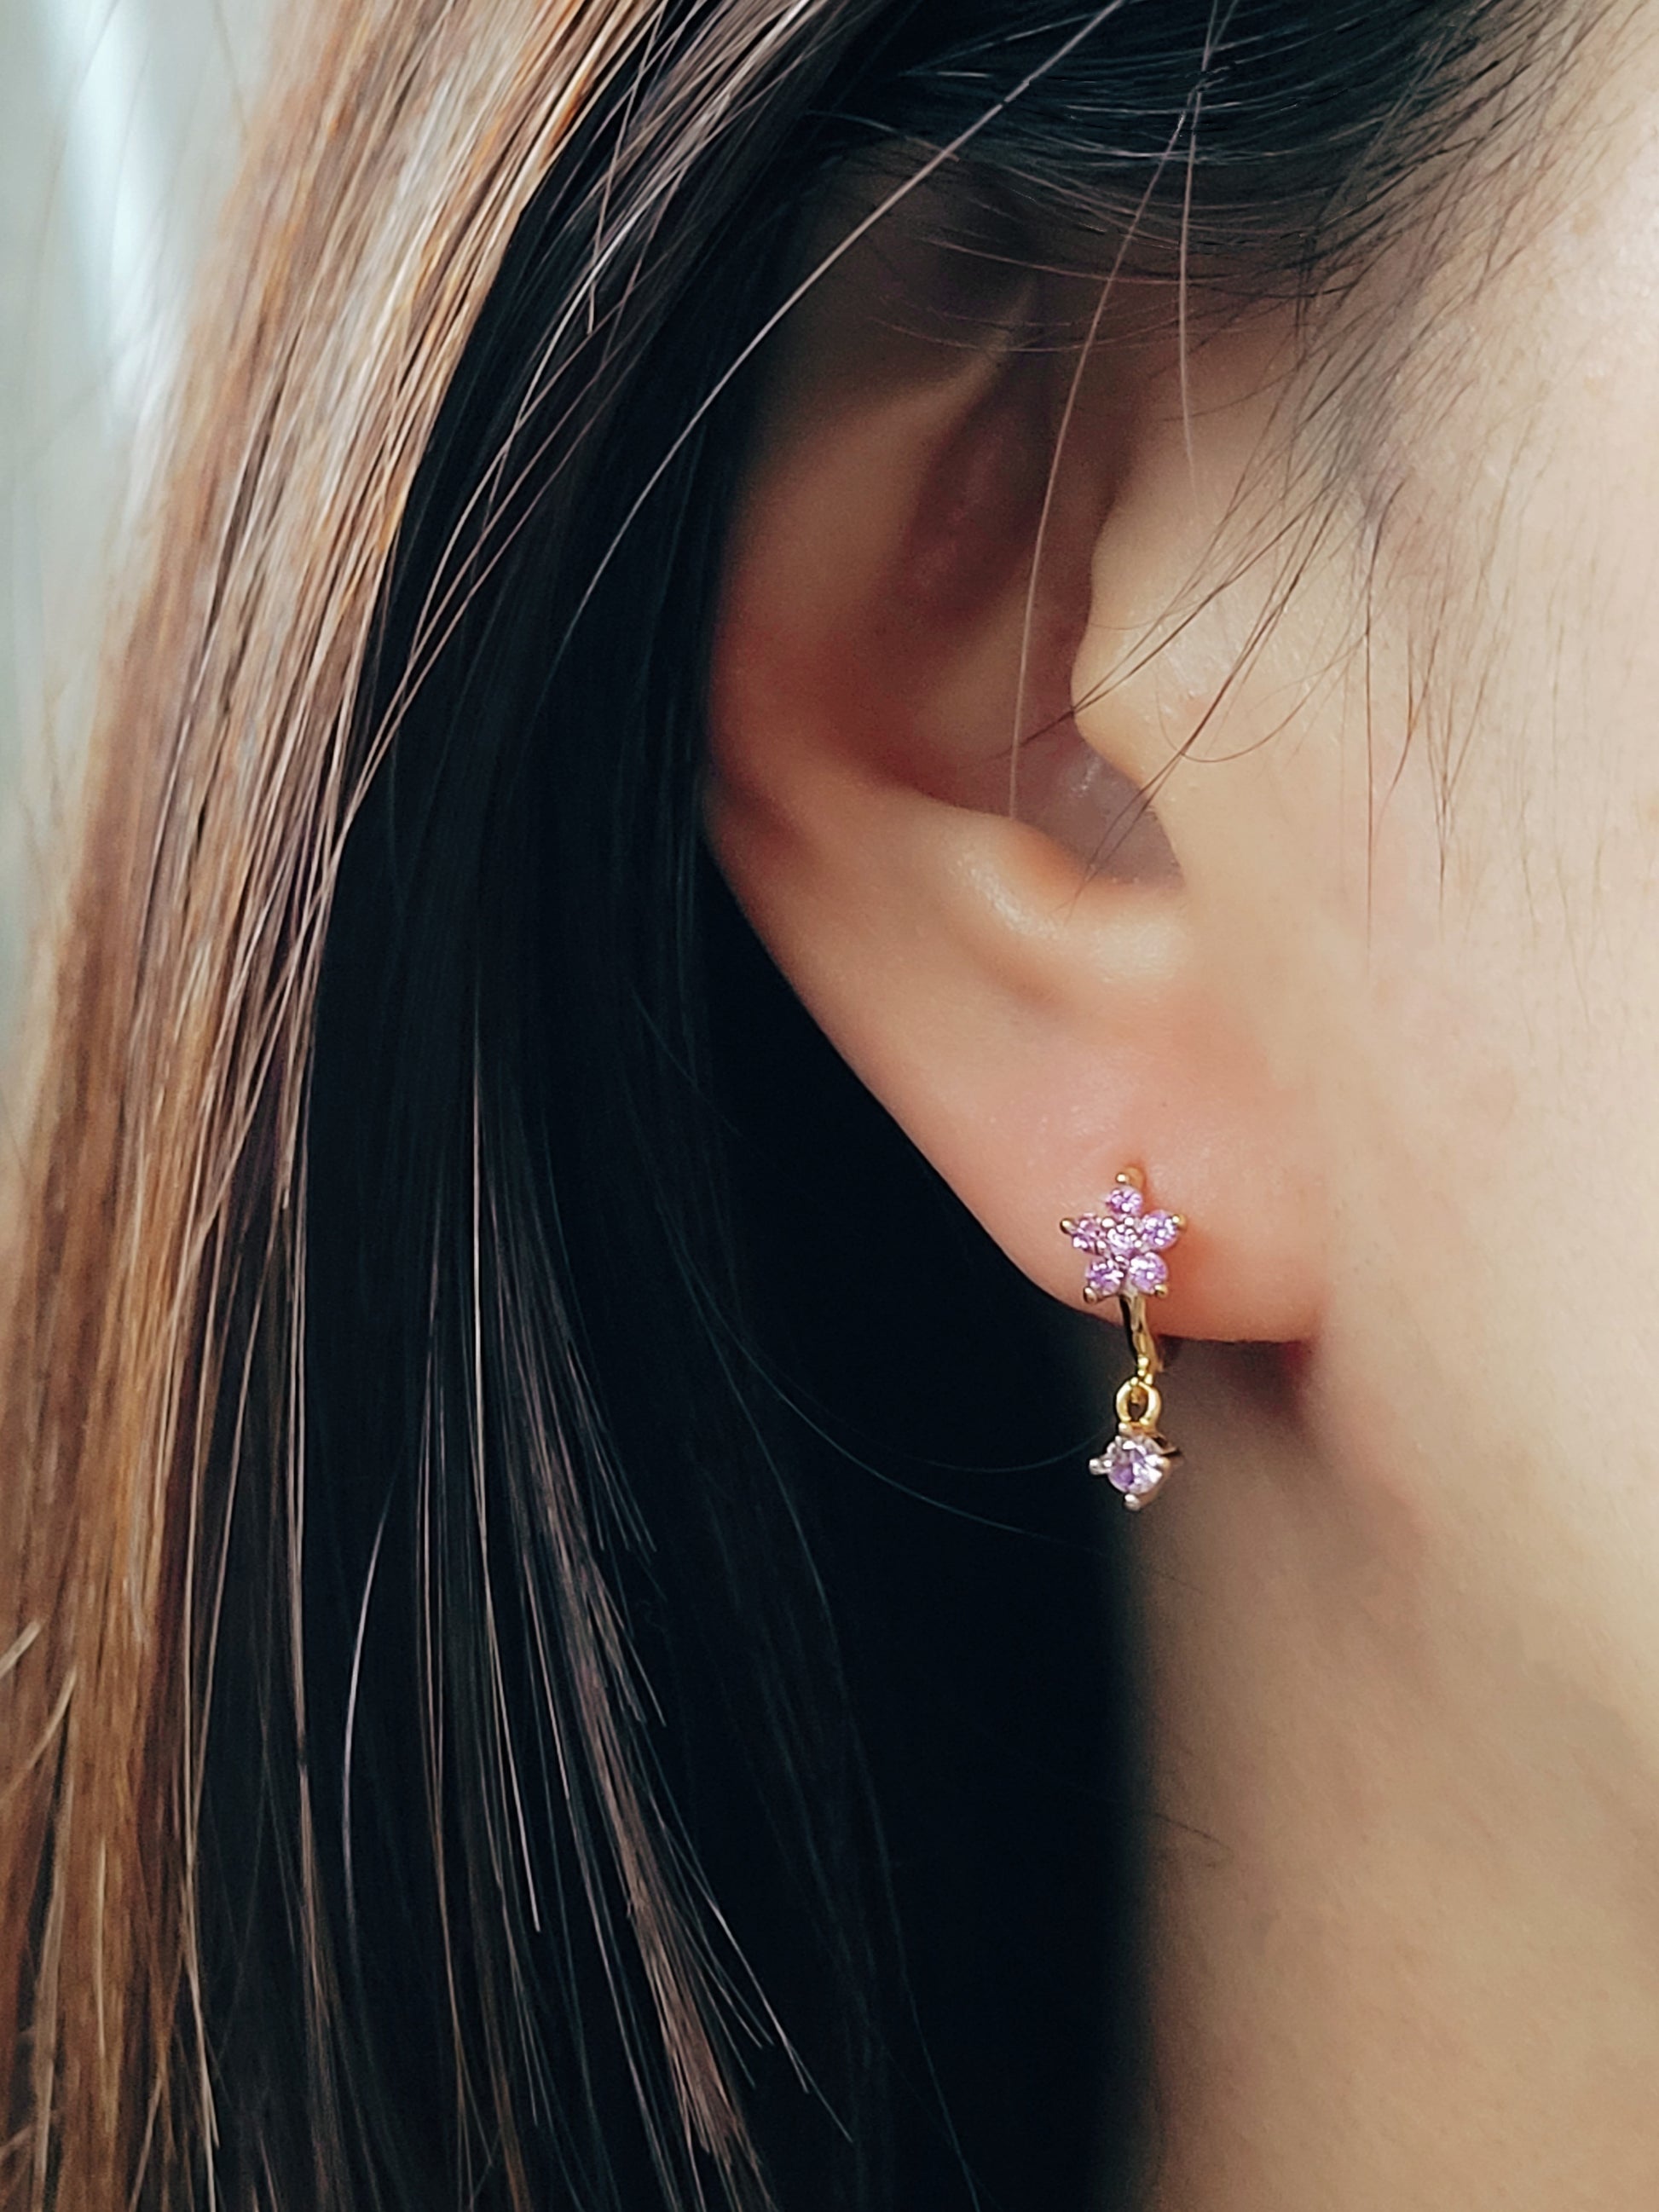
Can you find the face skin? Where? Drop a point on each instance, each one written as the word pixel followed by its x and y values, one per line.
pixel 1378 1006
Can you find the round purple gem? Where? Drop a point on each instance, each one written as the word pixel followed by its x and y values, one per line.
pixel 1126 1201
pixel 1145 1274
pixel 1090 1234
pixel 1159 1231
pixel 1124 1239
pixel 1133 1463
pixel 1105 1279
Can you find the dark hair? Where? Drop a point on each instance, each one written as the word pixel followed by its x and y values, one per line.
pixel 563 1656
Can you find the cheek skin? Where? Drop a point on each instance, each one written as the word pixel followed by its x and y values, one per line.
pixel 1511 1023
pixel 1425 819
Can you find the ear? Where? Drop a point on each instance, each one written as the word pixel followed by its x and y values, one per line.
pixel 1037 973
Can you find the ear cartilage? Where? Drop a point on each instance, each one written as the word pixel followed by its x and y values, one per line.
pixel 1125 1242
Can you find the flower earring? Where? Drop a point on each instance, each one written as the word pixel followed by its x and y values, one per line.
pixel 1126 1241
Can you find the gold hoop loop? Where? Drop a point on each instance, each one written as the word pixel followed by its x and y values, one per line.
pixel 1140 1403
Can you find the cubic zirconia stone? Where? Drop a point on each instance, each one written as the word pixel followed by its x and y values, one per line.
pixel 1131 1463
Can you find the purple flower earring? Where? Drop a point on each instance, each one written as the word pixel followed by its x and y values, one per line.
pixel 1126 1241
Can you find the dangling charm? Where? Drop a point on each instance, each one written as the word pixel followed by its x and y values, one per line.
pixel 1126 1241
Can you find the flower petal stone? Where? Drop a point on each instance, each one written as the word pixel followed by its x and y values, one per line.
pixel 1105 1279
pixel 1126 1201
pixel 1159 1231
pixel 1147 1274
pixel 1090 1234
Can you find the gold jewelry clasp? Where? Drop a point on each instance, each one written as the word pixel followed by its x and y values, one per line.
pixel 1139 1401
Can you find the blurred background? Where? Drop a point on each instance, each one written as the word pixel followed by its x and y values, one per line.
pixel 120 123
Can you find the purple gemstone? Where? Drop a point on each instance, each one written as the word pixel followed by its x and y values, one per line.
pixel 1090 1234
pixel 1145 1274
pixel 1159 1231
pixel 1126 1201
pixel 1133 1463
pixel 1105 1279
pixel 1124 1239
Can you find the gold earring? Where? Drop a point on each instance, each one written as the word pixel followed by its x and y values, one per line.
pixel 1126 1241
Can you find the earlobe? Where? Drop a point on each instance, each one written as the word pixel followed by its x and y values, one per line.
pixel 1032 1021
pixel 1032 1029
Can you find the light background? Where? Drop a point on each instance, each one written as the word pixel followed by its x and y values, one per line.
pixel 120 123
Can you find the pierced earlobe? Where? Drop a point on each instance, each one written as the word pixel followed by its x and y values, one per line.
pixel 1126 1243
